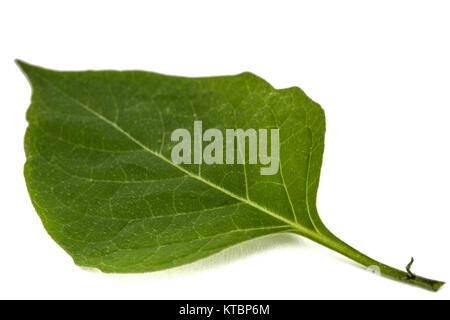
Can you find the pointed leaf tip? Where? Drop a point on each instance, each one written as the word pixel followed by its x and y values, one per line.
pixel 27 67
pixel 24 67
pixel 21 64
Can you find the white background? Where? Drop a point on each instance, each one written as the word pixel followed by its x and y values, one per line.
pixel 380 69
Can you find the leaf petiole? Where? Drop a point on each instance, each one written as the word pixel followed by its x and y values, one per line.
pixel 341 247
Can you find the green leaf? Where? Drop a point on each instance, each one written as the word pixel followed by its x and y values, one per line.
pixel 100 174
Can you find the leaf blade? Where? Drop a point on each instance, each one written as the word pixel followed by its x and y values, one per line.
pixel 57 94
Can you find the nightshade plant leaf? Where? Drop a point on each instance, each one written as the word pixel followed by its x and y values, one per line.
pixel 100 174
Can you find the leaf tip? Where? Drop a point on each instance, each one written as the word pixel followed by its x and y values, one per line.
pixel 27 67
pixel 24 67
pixel 21 64
pixel 29 70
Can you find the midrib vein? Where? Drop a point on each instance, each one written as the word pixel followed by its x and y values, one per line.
pixel 300 228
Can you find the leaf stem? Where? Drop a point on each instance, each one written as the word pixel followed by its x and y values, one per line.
pixel 332 242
